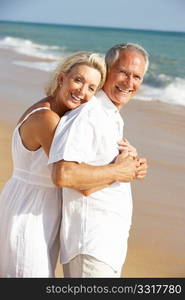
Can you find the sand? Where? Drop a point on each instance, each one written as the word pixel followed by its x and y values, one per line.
pixel 156 245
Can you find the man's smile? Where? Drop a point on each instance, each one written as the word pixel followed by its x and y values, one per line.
pixel 124 91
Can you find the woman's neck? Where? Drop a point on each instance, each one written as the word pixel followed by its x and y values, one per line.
pixel 56 106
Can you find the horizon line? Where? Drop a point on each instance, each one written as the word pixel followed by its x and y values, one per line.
pixel 91 26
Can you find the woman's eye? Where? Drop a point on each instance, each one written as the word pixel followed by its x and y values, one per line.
pixel 91 89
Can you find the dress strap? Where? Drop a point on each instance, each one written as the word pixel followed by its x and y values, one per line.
pixel 27 116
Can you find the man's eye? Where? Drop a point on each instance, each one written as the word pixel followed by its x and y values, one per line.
pixel 137 77
pixel 124 72
pixel 77 79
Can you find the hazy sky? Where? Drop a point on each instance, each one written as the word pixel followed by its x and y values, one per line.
pixel 138 14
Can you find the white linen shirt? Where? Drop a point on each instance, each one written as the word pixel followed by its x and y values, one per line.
pixel 98 224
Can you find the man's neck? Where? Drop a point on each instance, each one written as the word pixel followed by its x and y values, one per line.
pixel 118 108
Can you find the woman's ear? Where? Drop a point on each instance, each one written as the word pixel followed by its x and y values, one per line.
pixel 61 78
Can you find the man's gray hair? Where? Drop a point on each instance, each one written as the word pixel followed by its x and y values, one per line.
pixel 113 53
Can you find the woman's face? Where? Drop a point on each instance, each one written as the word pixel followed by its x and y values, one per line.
pixel 78 86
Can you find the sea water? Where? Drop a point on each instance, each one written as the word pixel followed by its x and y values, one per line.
pixel 164 81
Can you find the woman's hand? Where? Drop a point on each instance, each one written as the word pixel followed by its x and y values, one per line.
pixel 127 149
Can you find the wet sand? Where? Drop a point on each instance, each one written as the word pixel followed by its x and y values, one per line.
pixel 156 244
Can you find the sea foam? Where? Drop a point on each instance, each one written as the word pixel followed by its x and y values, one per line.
pixel 27 47
pixel 156 86
pixel 172 92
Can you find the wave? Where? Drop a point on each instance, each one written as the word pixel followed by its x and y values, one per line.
pixel 43 66
pixel 156 85
pixel 29 48
pixel 171 91
pixel 163 88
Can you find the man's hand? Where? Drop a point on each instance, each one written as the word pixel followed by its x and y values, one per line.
pixel 142 168
pixel 126 167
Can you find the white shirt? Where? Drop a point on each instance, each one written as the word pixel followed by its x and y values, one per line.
pixel 97 225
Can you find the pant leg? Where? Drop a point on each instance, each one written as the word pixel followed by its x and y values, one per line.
pixel 86 266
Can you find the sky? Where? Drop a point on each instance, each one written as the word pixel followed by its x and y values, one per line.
pixel 166 15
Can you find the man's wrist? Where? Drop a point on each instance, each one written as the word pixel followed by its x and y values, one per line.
pixel 113 172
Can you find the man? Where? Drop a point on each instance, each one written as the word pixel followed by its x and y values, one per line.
pixel 95 227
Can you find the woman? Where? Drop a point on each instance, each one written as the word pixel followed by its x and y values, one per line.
pixel 30 205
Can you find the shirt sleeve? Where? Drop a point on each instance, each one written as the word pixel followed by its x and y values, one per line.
pixel 75 139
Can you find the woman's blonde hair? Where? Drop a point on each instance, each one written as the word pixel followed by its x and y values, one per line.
pixel 93 60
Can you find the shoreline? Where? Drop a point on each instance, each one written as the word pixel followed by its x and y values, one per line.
pixel 156 243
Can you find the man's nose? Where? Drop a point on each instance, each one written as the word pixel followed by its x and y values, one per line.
pixel 130 81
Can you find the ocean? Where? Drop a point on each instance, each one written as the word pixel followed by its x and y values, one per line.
pixel 164 81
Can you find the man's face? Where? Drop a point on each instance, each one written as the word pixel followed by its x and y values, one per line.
pixel 124 77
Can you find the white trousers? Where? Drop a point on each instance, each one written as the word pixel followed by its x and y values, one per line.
pixel 86 266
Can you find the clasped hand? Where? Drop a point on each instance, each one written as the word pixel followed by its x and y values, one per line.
pixel 126 150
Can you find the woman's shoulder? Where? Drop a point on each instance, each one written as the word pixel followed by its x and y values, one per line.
pixel 44 118
pixel 39 112
pixel 37 126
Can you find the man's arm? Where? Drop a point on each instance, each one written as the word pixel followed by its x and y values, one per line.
pixel 72 149
pixel 140 174
pixel 82 176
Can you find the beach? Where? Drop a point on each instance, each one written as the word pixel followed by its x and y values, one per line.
pixel 156 245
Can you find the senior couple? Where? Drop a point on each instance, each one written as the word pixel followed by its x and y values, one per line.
pixel 79 127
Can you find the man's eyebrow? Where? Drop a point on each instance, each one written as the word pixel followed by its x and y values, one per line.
pixel 77 73
pixel 122 68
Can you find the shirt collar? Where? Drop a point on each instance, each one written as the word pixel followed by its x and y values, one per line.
pixel 105 100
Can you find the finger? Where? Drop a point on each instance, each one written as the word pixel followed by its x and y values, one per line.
pixel 142 160
pixel 141 168
pixel 122 143
pixel 132 154
pixel 126 141
pixel 140 177
pixel 132 151
pixel 141 174
pixel 123 149
pixel 124 153
pixel 137 165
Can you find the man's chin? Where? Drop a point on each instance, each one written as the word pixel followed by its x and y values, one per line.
pixel 121 101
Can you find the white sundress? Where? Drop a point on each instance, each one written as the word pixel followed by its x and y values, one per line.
pixel 30 214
